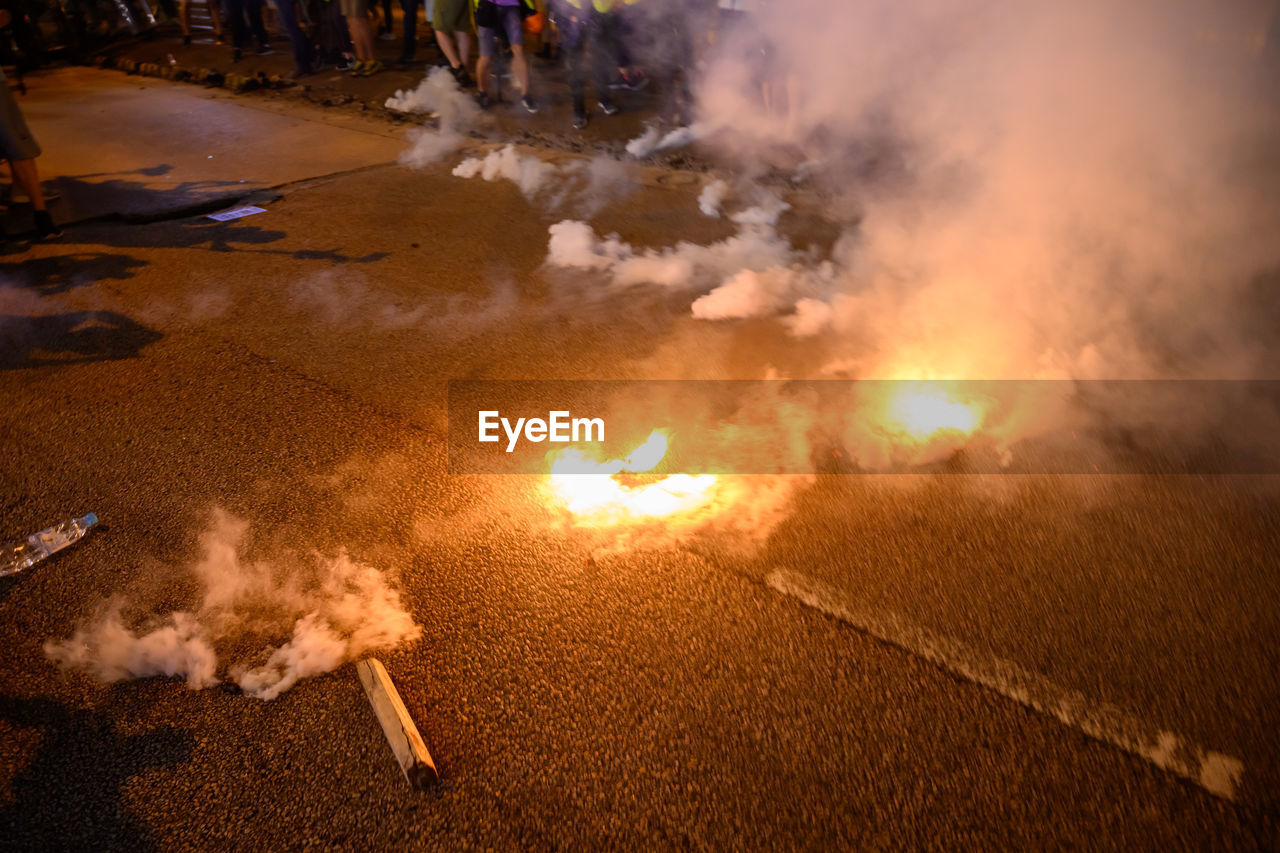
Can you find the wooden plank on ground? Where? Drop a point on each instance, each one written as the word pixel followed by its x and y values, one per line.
pixel 410 752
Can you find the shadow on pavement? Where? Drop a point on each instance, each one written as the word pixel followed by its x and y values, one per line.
pixel 190 233
pixel 72 338
pixel 92 199
pixel 60 273
pixel 68 798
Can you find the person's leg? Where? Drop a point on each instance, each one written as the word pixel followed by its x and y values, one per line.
pixel 513 23
pixel 26 176
pixel 239 30
pixel 254 10
pixel 450 20
pixel 445 41
pixel 184 20
pixel 361 36
pixel 573 43
pixel 464 46
pixel 303 60
pixel 604 59
pixel 487 36
pixel 521 63
pixel 215 16
pixel 409 45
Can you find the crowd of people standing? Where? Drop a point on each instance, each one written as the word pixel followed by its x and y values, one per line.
pixel 604 44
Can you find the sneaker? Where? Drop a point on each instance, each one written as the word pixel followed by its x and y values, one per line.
pixel 346 63
pixel 236 54
pixel 370 68
pixel 186 41
pixel 388 36
pixel 482 100
pixel 579 120
pixel 464 79
pixel 529 103
pixel 635 81
pixel 265 50
pixel 609 108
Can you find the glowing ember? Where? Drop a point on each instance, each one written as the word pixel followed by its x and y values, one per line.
pixel 923 411
pixel 599 493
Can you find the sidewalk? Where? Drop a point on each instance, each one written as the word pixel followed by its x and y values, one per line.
pixel 162 54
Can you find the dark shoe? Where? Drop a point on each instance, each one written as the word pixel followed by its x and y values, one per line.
pixel 529 103
pixel 299 73
pixel 482 100
pixel 236 54
pixel 464 79
pixel 186 41
pixel 608 107
pixel 634 82
pixel 45 229
pixel 579 120
pixel 265 50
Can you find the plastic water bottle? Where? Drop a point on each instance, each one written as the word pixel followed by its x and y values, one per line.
pixel 40 545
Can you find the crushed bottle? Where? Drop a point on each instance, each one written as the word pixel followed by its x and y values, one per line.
pixel 38 546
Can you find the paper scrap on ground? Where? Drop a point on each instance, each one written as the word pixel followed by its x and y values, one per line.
pixel 237 213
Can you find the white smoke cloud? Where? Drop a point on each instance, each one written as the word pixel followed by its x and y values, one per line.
pixel 583 185
pixel 310 618
pixel 1023 193
pixel 712 196
pixel 756 247
pixel 439 96
pixel 654 140
pixel 528 173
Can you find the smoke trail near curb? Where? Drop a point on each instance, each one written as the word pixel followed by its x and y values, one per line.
pixel 455 112
pixel 308 618
pixel 584 185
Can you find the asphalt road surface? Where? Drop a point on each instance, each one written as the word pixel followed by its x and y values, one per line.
pixel 959 662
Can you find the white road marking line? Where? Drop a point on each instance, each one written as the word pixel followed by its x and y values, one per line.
pixel 1217 773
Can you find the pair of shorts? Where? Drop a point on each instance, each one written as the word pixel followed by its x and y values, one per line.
pixel 509 19
pixel 16 141
pixel 451 16
pixel 354 8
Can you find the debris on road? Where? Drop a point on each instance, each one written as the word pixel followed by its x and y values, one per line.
pixel 228 215
pixel 407 745
pixel 38 546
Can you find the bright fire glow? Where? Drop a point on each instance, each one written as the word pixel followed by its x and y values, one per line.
pixel 923 411
pixel 597 492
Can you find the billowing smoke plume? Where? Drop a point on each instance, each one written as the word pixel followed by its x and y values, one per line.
pixel 1029 189
pixel 757 247
pixel 455 113
pixel 307 618
pixel 584 185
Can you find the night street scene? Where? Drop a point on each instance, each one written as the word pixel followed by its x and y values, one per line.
pixel 640 425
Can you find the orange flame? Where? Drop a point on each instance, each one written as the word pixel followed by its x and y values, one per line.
pixel 597 495
pixel 921 411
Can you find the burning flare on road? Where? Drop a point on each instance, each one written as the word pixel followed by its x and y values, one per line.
pixel 617 491
pixel 921 411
